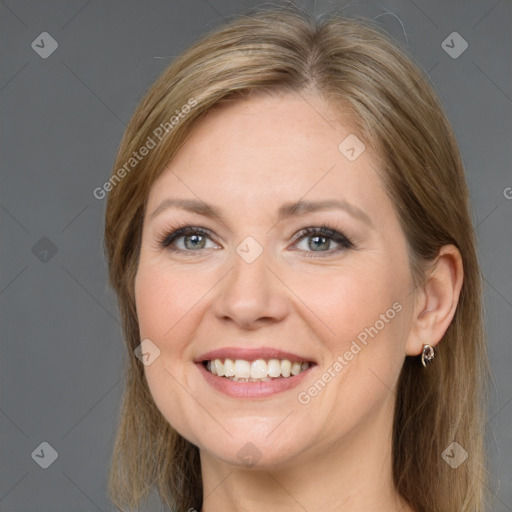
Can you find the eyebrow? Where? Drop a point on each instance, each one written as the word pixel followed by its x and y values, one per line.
pixel 286 211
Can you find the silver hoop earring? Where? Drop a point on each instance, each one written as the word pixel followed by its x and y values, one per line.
pixel 427 356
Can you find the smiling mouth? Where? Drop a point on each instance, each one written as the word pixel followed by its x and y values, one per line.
pixel 259 370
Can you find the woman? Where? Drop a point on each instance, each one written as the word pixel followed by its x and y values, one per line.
pixel 288 233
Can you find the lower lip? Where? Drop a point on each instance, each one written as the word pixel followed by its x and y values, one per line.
pixel 252 389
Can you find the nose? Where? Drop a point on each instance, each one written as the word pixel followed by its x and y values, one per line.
pixel 251 295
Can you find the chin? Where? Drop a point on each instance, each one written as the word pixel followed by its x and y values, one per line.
pixel 261 446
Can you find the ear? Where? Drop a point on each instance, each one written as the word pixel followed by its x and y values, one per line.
pixel 436 301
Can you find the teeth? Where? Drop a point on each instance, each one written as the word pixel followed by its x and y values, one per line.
pixel 240 370
pixel 286 367
pixel 296 368
pixel 219 367
pixel 274 368
pixel 259 369
pixel 229 368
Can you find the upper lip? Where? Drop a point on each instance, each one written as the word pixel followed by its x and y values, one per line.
pixel 251 354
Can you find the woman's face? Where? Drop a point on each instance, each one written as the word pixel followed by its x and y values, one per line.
pixel 249 285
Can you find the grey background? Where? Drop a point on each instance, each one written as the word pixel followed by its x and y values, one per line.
pixel 62 119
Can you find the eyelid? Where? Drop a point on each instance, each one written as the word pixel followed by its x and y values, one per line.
pixel 335 235
pixel 182 230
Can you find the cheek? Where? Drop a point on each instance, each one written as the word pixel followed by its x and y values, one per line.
pixel 164 302
pixel 163 299
pixel 360 326
pixel 359 319
pixel 154 297
pixel 343 302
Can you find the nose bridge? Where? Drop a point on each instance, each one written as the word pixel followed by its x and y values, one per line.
pixel 249 261
pixel 250 292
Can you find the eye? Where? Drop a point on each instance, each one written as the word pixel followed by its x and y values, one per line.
pixel 320 240
pixel 185 238
pixel 188 239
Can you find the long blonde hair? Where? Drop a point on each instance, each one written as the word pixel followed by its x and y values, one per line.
pixel 349 63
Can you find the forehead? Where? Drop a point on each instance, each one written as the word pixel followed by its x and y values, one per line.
pixel 265 150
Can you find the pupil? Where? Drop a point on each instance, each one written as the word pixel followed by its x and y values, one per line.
pixel 316 238
pixel 195 239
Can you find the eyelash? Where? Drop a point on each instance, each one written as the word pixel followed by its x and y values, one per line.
pixel 165 240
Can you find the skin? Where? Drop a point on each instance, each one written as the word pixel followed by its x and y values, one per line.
pixel 334 453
